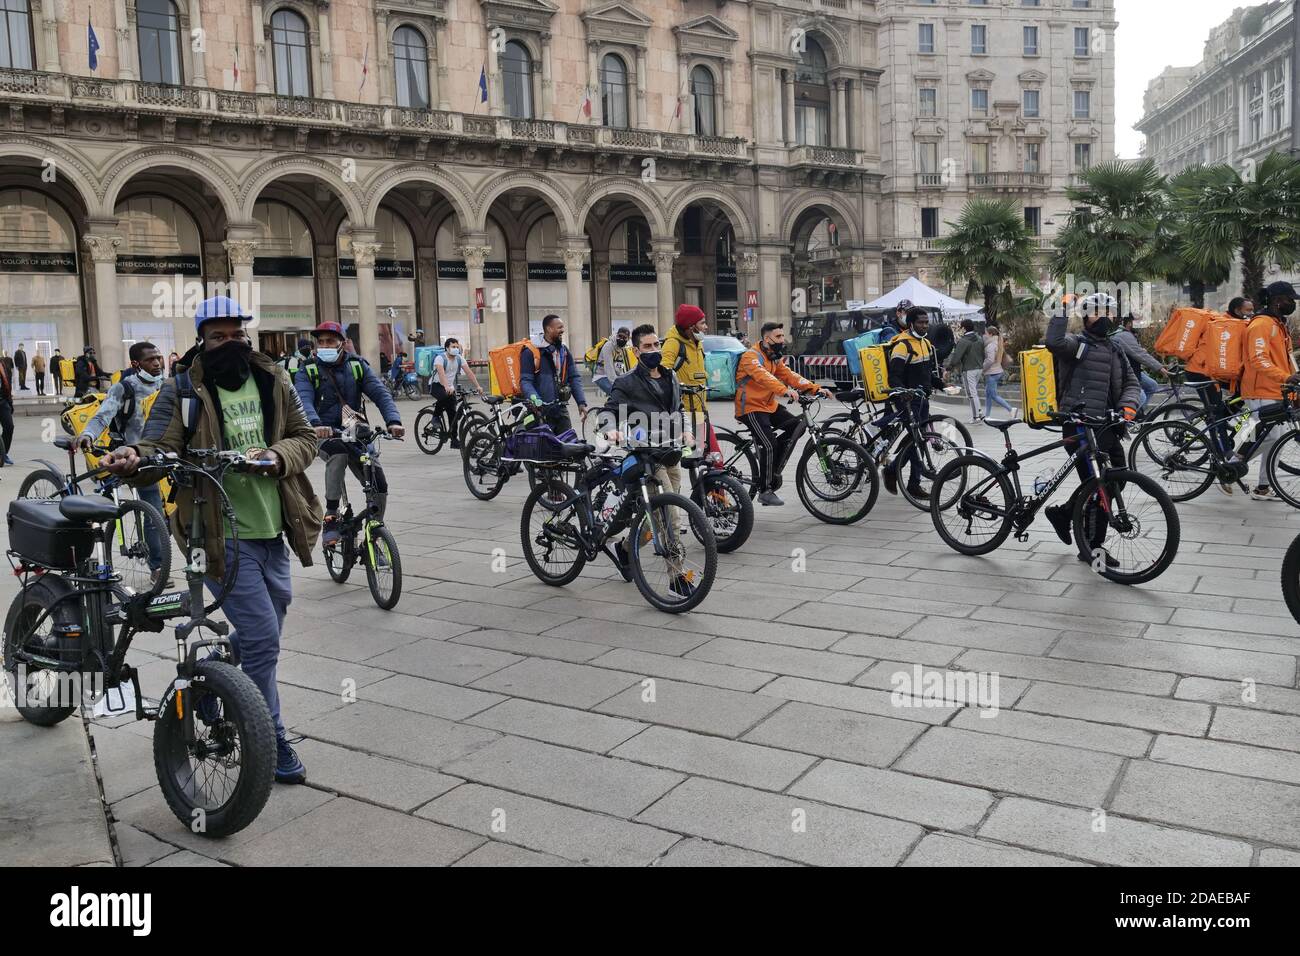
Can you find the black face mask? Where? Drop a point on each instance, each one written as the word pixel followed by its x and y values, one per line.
pixel 1100 328
pixel 650 360
pixel 775 349
pixel 227 365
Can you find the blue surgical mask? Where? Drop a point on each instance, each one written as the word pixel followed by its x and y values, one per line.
pixel 453 352
pixel 145 377
pixel 328 356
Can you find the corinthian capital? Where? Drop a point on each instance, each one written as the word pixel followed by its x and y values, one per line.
pixel 747 263
pixel 475 256
pixel 664 260
pixel 363 254
pixel 574 259
pixel 240 251
pixel 102 248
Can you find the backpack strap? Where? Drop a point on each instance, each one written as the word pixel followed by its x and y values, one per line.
pixel 188 403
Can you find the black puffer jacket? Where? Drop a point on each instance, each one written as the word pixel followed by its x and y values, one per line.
pixel 1100 378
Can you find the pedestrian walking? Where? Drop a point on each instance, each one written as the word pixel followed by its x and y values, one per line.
pixel 20 366
pixel 38 372
pixel 56 372
pixel 967 360
pixel 995 355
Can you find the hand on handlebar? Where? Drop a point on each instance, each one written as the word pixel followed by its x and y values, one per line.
pixel 397 430
pixel 124 461
pixel 263 461
pixel 325 431
pixel 791 395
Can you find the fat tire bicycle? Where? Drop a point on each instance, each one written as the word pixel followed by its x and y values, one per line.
pixel 129 531
pixel 363 537
pixel 976 503
pixel 564 526
pixel 212 722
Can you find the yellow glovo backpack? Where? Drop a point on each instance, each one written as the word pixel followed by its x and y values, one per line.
pixel 1038 385
pixel 875 371
pixel 77 414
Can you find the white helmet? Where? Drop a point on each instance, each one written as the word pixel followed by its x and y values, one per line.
pixel 1096 304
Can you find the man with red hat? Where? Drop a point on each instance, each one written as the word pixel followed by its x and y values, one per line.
pixel 683 352
pixel 329 381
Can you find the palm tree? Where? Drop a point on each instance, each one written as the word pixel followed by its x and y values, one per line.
pixel 1176 257
pixel 989 246
pixel 1110 235
pixel 1255 215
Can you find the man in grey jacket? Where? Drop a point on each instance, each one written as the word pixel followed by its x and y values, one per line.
pixel 612 363
pixel 967 359
pixel 122 413
pixel 1138 357
pixel 1094 372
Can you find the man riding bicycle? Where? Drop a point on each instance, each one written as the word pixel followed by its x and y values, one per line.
pixel 447 368
pixel 332 386
pixel 1093 371
pixel 761 378
pixel 1269 364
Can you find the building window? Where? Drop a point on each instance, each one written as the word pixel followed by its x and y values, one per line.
pixel 929 101
pixel 1030 3
pixel 812 97
pixel 613 91
pixel 979 157
pixel 702 90
pixel 1277 100
pixel 1032 153
pixel 411 68
pixel 638 242
pixel 928 157
pixel 924 37
pixel 693 230
pixel 1082 104
pixel 1083 4
pixel 1082 155
pixel 158 34
pixel 979 101
pixel 16 50
pixel 1034 219
pixel 517 80
pixel 289 49
pixel 929 222
pixel 1080 41
pixel 1031 103
pixel 979 38
pixel 1031 41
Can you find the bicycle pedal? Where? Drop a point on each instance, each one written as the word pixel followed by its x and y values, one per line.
pixel 1022 536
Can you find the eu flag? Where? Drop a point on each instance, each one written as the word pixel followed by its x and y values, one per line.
pixel 92 42
pixel 482 84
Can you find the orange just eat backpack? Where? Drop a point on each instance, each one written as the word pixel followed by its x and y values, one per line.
pixel 505 361
pixel 1182 333
pixel 1223 349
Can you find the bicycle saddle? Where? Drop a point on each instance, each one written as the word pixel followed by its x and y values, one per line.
pixel 852 395
pixel 87 508
pixel 1001 424
pixel 580 449
pixel 494 399
pixel 64 442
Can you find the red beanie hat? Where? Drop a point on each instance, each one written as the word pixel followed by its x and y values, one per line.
pixel 688 316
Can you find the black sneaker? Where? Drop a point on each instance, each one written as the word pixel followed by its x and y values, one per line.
pixel 1111 561
pixel 769 498
pixel 624 562
pixel 288 768
pixel 1059 516
pixel 891 481
pixel 919 492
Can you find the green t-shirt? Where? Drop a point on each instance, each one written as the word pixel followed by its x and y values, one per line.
pixel 255 498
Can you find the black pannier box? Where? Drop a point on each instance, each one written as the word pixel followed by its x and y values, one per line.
pixel 42 535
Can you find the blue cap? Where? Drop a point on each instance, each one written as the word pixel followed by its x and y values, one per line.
pixel 220 307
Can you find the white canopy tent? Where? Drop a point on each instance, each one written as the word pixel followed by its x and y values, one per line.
pixel 922 295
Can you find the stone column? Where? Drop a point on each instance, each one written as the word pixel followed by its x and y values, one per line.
pixel 790 137
pixel 440 45
pixel 642 75
pixel 261 66
pixel 746 279
pixel 426 259
pixel 325 265
pixel 517 277
pixel 124 23
pixel 200 77
pixel 496 97
pixel 548 87
pixel 384 76
pixel 241 286
pixel 102 245
pixel 604 317
pixel 48 44
pixel 841 115
pixel 593 81
pixel 475 251
pixel 665 254
pixel 686 123
pixel 327 62
pixel 578 321
pixel 363 255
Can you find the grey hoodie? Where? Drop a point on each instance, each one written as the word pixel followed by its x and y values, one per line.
pixel 134 427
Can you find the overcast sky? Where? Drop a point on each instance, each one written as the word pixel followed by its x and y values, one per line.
pixel 1153 34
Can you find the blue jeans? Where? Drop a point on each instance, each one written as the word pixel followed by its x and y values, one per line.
pixel 1148 386
pixel 255 607
pixel 991 394
pixel 152 495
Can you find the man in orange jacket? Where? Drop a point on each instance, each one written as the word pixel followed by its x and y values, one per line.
pixel 761 378
pixel 1268 366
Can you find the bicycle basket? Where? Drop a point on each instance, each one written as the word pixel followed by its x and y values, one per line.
pixel 538 445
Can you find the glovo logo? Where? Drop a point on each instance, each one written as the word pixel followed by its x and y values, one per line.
pixel 1040 384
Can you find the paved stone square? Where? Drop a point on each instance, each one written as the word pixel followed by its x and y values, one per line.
pixel 499 721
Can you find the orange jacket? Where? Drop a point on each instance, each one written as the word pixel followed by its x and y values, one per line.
pixel 760 381
pixel 1268 358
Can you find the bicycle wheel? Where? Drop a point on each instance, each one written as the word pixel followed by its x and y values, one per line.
pixel 1127 526
pixel 1177 412
pixel 841 424
pixel 550 528
pixel 40 693
pixel 1176 456
pixel 42 483
pixel 429 433
pixel 728 508
pixel 469 421
pixel 383 568
pixel 485 475
pixel 218 784
pixel 1283 468
pixel 144 567
pixel 739 459
pixel 673 570
pixel 339 559
pixel 951 429
pixel 979 497
pixel 1291 579
pixel 836 480
pixel 937 448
